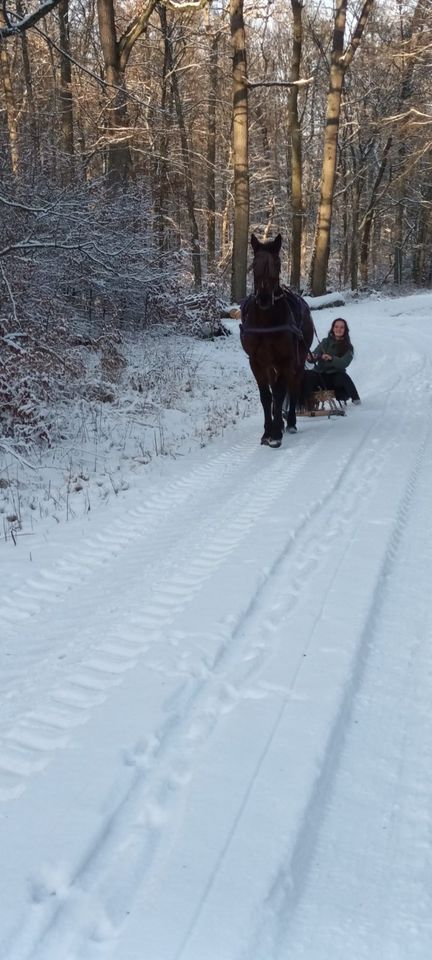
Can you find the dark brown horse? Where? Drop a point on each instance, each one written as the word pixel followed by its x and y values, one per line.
pixel 276 333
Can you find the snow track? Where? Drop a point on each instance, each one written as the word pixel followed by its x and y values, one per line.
pixel 197 705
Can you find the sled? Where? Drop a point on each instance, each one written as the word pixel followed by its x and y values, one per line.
pixel 323 403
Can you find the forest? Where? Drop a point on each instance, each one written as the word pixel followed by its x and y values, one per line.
pixel 142 143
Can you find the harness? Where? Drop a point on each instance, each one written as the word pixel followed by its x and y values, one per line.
pixel 295 306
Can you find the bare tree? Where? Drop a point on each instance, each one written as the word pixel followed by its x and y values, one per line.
pixel 340 61
pixel 410 43
pixel 66 100
pixel 296 146
pixel 187 163
pixel 213 33
pixel 12 26
pixel 9 99
pixel 240 151
pixel 367 223
pixel 116 53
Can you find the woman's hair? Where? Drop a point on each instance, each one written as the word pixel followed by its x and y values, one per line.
pixel 345 343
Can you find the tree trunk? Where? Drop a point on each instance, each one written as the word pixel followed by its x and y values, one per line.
pixel 162 166
pixel 422 246
pixel 9 99
pixel 66 102
pixel 28 83
pixel 116 54
pixel 187 164
pixel 354 256
pixel 366 228
pixel 296 148
pixel 322 237
pixel 211 145
pixel 410 39
pixel 118 153
pixel 264 200
pixel 339 64
pixel 240 152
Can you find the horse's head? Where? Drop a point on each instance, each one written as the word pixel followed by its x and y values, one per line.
pixel 266 267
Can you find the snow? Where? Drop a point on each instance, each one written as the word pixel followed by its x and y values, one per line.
pixel 215 723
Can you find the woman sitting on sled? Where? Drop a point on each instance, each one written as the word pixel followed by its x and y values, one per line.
pixel 331 358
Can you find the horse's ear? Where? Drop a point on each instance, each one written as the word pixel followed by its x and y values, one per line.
pixel 255 244
pixel 277 243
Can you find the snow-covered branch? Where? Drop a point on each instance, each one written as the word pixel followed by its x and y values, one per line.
pixel 10 28
pixel 280 83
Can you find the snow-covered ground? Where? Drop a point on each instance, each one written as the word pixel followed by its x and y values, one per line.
pixel 215 722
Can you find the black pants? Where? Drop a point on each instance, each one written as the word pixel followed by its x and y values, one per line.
pixel 339 381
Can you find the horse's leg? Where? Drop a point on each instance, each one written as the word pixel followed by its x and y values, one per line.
pixel 294 394
pixel 265 397
pixel 292 416
pixel 279 393
pixel 266 400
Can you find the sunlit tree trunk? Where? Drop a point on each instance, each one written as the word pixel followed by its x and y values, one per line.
pixel 162 165
pixel 264 200
pixel 116 53
pixel 28 84
pixel 118 152
pixel 339 64
pixel 240 152
pixel 9 99
pixel 322 237
pixel 66 102
pixel 296 148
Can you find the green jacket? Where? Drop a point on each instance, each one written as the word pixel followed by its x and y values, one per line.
pixel 329 345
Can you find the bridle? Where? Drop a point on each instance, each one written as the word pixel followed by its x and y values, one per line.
pixel 267 283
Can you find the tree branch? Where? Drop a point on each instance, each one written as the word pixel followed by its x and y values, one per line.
pixel 347 57
pixel 12 29
pixel 279 83
pixel 135 28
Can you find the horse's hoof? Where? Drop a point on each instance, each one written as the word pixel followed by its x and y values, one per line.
pixel 265 441
pixel 291 429
pixel 275 443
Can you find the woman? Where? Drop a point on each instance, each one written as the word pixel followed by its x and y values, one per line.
pixel 331 358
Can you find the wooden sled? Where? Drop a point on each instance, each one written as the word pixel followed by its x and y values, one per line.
pixel 323 404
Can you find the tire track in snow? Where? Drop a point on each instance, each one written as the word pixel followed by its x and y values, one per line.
pixel 66 717
pixel 146 531
pixel 328 540
pixel 155 782
pixel 73 568
pixel 284 897
pixel 197 948
pixel 209 544
pixel 384 779
pixel 72 703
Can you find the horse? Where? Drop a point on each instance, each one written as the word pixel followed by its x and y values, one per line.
pixel 276 333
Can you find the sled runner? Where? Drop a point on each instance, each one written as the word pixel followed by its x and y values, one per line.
pixel 323 404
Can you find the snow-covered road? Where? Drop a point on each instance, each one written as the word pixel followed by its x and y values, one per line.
pixel 215 724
